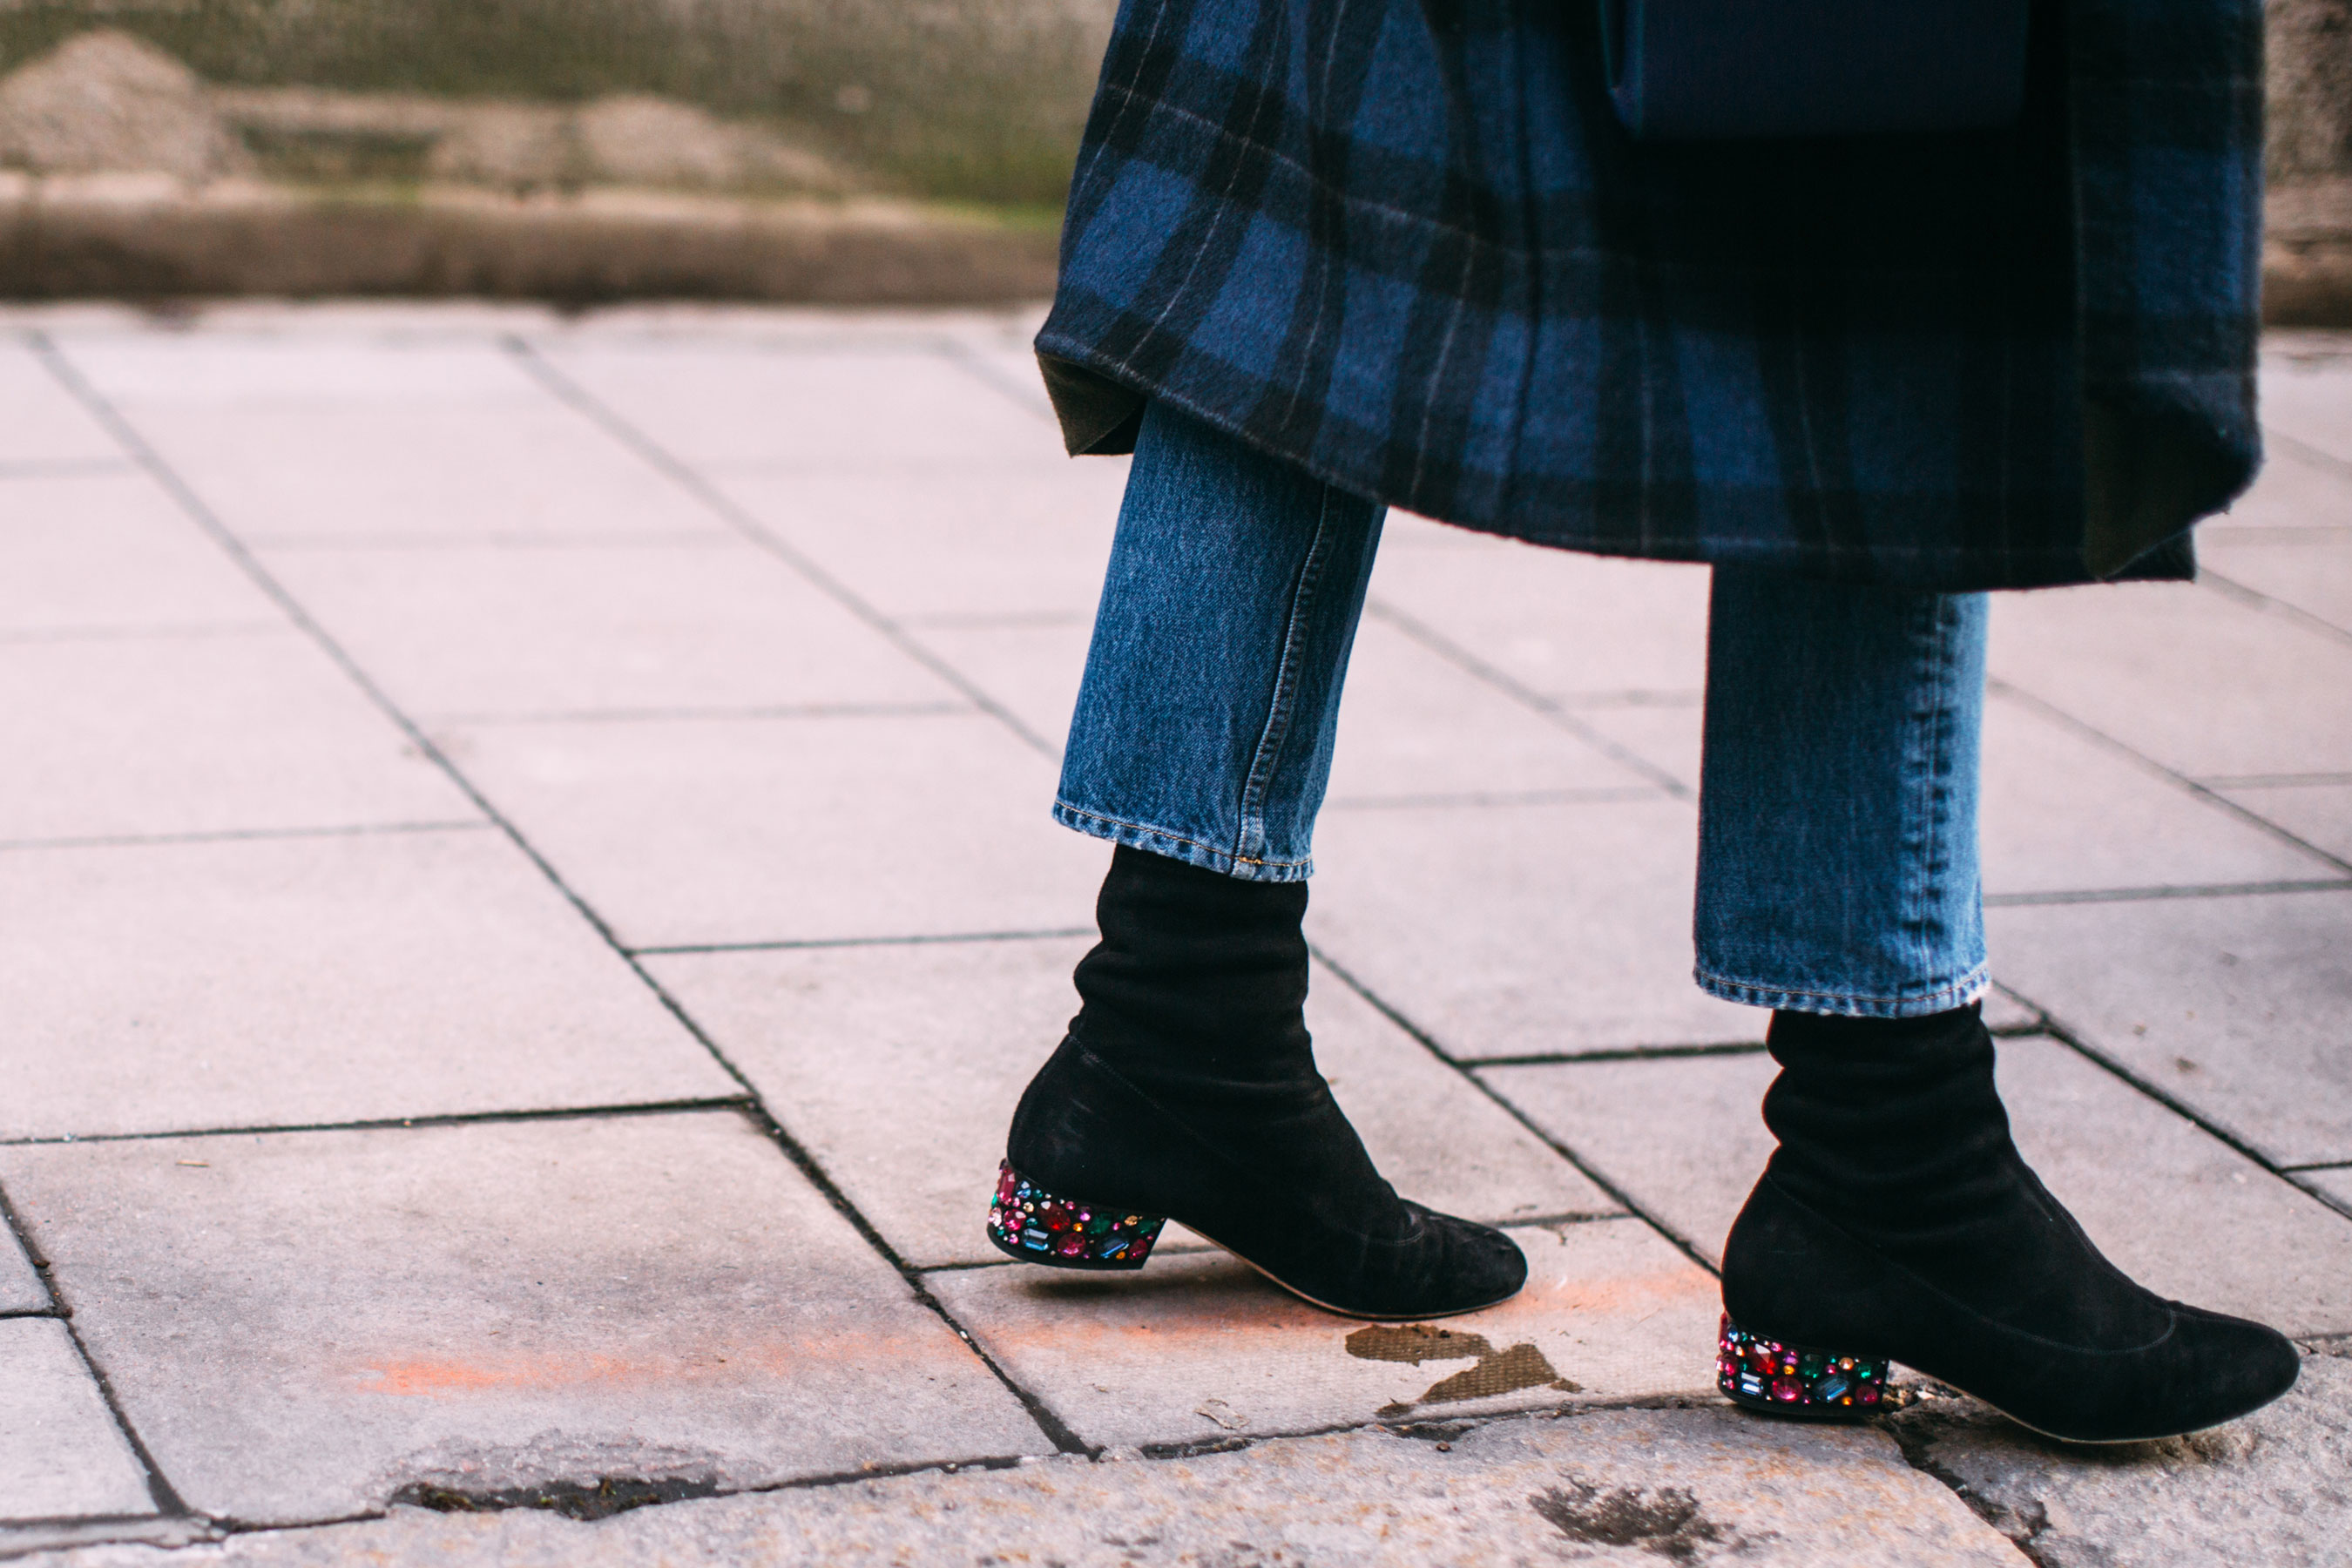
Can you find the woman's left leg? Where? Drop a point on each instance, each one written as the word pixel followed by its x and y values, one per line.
pixel 1838 885
pixel 1186 1087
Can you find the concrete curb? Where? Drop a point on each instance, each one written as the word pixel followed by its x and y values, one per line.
pixel 142 237
pixel 145 237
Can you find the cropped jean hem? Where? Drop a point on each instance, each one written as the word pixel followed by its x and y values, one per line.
pixel 1967 988
pixel 1177 847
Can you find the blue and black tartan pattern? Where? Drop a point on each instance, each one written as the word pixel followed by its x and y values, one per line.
pixel 1405 245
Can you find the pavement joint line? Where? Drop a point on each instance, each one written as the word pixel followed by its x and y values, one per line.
pixel 33 636
pixel 2320 1165
pixel 2138 895
pixel 692 715
pixel 2331 1200
pixel 1996 687
pixel 239 836
pixel 2255 599
pixel 699 1105
pixel 1558 713
pixel 578 398
pixel 198 512
pixel 230 1525
pixel 986 621
pixel 1057 933
pixel 1613 1054
pixel 1056 1431
pixel 1601 795
pixel 2274 781
pixel 160 1491
pixel 1616 1193
pixel 1673 699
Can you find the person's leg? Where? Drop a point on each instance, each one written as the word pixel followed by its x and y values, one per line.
pixel 1838 885
pixel 1187 1087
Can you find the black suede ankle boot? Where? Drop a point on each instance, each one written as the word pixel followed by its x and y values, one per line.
pixel 1896 1221
pixel 1186 1089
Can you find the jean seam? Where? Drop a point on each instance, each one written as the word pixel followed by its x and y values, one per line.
pixel 1707 978
pixel 1932 679
pixel 1277 733
pixel 1164 833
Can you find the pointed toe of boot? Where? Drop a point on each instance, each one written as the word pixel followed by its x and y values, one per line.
pixel 1468 1266
pixel 2236 1366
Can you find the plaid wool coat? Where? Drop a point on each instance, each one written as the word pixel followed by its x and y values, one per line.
pixel 1405 245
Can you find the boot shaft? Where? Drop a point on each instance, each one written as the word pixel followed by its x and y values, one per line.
pixel 1197 973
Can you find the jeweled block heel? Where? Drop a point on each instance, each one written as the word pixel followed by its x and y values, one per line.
pixel 1036 1226
pixel 1787 1379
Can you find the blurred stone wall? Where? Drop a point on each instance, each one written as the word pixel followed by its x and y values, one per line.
pixel 2307 251
pixel 969 99
pixel 2310 96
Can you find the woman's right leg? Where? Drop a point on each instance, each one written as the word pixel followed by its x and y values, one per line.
pixel 1896 1220
pixel 1186 1087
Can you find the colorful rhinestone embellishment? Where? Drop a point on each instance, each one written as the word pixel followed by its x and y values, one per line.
pixel 1031 1223
pixel 1767 1375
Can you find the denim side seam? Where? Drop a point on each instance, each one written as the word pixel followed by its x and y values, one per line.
pixel 1969 987
pixel 1177 847
pixel 1280 705
pixel 1928 765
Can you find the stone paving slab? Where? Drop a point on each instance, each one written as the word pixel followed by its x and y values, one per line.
pixel 301 1325
pixel 2270 1490
pixel 1199 1347
pixel 2175 1207
pixel 21 1289
pixel 2120 658
pixel 868 1054
pixel 726 831
pixel 934 544
pixel 819 408
pixel 2236 1006
pixel 61 1455
pixel 1619 1486
pixel 2064 814
pixel 713 626
pixel 2318 814
pixel 40 424
pixel 106 552
pixel 253 731
pixel 1509 930
pixel 418 472
pixel 294 980
pixel 2310 401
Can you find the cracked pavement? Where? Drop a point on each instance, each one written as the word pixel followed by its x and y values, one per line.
pixel 529 896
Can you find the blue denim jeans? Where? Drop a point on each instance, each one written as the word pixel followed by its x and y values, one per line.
pixel 1837 868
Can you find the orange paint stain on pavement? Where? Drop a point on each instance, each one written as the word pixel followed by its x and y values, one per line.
pixel 447 1376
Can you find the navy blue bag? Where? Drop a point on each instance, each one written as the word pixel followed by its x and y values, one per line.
pixel 1712 70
